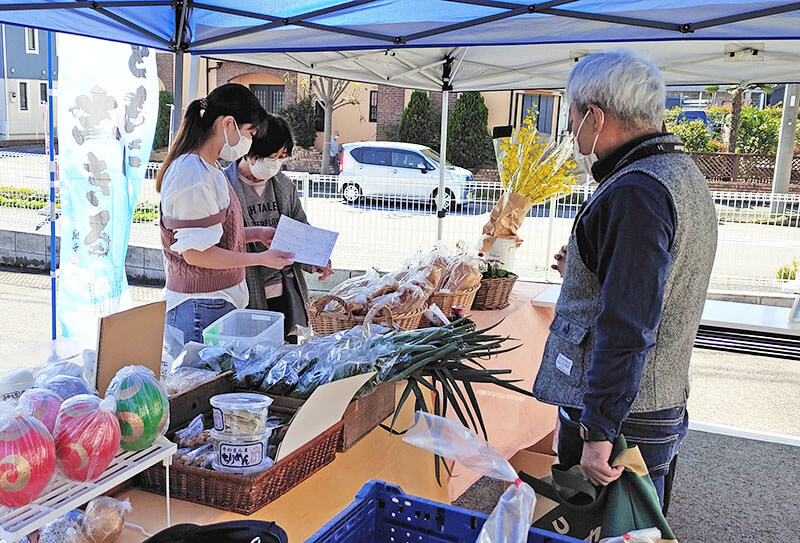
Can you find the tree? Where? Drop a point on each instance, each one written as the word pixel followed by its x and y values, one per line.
pixel 469 144
pixel 418 123
pixel 736 110
pixel 301 116
pixel 330 94
pixel 759 130
pixel 165 101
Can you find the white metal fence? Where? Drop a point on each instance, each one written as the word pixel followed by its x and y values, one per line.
pixel 393 218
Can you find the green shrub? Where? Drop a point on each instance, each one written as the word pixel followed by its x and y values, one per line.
pixel 419 123
pixel 760 130
pixel 165 101
pixel 389 132
pixel 671 117
pixel 693 135
pixel 302 118
pixel 469 143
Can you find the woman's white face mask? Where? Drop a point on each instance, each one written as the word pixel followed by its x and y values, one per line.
pixel 585 162
pixel 231 153
pixel 266 168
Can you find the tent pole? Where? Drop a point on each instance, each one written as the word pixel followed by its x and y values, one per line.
pixel 783 160
pixel 51 141
pixel 442 165
pixel 177 115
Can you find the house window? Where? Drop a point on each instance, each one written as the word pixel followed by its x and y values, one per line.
pixel 43 93
pixel 32 41
pixel 373 106
pixel 543 105
pixel 270 96
pixel 23 96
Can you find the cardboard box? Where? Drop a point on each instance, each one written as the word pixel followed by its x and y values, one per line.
pixel 534 464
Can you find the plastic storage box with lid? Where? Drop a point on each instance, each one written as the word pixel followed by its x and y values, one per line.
pixel 383 512
pixel 247 327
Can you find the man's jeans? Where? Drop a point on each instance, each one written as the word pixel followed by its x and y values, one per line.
pixel 193 316
pixel 658 435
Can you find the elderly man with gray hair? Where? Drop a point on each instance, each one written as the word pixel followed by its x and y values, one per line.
pixel 636 270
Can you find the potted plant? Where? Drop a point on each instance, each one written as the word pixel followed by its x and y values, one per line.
pixel 496 284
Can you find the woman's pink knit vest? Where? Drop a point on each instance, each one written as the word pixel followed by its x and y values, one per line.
pixel 182 276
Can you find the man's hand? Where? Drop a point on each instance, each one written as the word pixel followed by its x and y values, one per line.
pixel 561 261
pixel 324 272
pixel 594 462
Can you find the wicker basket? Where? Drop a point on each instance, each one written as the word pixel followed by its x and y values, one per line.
pixel 448 300
pixel 494 293
pixel 240 493
pixel 326 323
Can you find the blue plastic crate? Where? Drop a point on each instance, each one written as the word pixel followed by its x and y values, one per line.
pixel 384 513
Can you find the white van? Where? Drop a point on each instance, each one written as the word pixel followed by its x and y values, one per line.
pixel 404 171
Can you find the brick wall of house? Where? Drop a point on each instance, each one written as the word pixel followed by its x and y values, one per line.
pixel 391 101
pixel 165 70
pixel 436 101
pixel 487 176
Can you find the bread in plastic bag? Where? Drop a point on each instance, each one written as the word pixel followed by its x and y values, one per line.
pixel 41 403
pixel 104 519
pixel 465 275
pixel 142 407
pixel 510 520
pixel 27 457
pixel 68 386
pixel 87 436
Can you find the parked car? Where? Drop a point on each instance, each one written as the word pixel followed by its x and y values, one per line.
pixel 693 115
pixel 404 171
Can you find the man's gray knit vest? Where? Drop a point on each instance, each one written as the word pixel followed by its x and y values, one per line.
pixel 568 352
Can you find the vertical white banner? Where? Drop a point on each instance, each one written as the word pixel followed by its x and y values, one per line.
pixel 107 113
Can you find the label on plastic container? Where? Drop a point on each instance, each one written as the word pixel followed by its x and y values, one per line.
pixel 241 455
pixel 219 420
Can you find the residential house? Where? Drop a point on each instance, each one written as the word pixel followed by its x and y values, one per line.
pixel 23 60
pixel 378 107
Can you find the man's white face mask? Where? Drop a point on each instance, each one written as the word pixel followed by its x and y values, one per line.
pixel 585 162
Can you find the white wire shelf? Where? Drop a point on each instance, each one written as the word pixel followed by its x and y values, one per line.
pixel 63 495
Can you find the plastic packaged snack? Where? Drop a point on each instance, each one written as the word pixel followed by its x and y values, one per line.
pixel 193 435
pixel 200 457
pixel 185 378
pixel 68 386
pixel 14 383
pixel 142 407
pixel 41 403
pixel 87 436
pixel 104 519
pixel 62 530
pixel 27 457
pixel 241 413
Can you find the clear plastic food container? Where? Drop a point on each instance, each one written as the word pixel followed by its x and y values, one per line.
pixel 241 413
pixel 241 454
pixel 246 327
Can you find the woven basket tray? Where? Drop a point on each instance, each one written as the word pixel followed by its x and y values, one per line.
pixel 494 293
pixel 326 323
pixel 241 493
pixel 448 300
